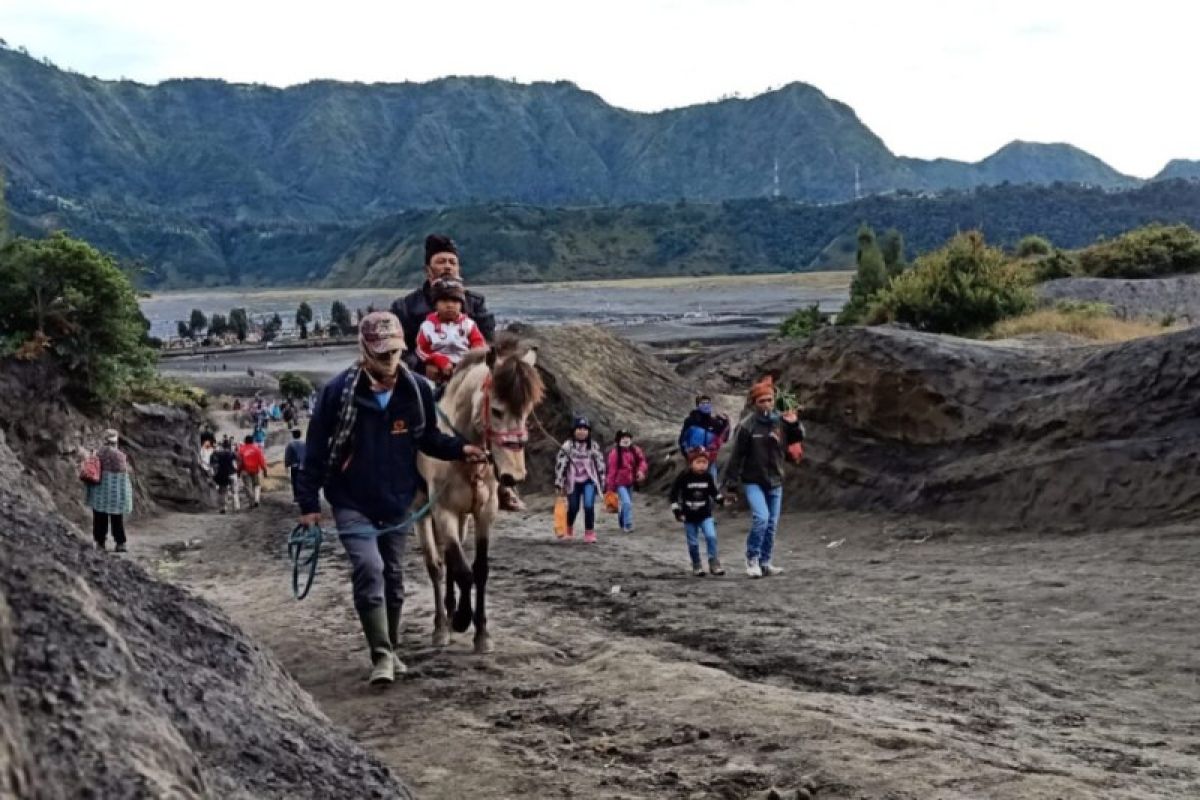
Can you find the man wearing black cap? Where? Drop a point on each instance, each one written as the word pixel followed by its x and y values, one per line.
pixel 441 261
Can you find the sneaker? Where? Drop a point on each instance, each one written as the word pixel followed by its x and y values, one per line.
pixel 714 566
pixel 120 548
pixel 589 537
pixel 752 568
pixel 769 569
pixel 698 570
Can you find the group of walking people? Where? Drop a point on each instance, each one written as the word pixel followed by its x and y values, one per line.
pixel 766 439
pixel 234 469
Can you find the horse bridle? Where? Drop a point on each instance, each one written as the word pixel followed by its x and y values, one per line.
pixel 513 439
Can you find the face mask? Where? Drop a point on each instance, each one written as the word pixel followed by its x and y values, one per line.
pixel 705 408
pixel 626 442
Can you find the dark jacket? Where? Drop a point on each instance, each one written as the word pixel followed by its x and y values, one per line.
pixel 704 430
pixel 379 479
pixel 224 465
pixel 293 454
pixel 760 450
pixel 694 495
pixel 413 308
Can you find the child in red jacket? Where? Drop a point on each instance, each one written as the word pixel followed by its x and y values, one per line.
pixel 626 469
pixel 447 334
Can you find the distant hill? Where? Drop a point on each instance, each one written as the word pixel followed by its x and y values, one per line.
pixel 1180 168
pixel 328 151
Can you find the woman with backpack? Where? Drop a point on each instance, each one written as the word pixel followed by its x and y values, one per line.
pixel 627 468
pixel 110 492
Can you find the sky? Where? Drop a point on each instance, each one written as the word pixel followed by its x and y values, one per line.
pixel 932 78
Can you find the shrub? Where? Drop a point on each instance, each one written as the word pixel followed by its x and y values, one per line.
pixel 1144 253
pixel 802 323
pixel 1058 264
pixel 1093 321
pixel 963 288
pixel 1033 246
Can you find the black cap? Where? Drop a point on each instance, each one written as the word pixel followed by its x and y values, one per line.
pixel 437 243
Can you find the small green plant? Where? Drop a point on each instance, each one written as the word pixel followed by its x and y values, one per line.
pixel 1034 246
pixel 802 323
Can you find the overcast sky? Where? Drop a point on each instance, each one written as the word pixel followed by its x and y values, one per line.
pixel 930 77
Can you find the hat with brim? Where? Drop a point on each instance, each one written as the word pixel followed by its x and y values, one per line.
pixel 380 332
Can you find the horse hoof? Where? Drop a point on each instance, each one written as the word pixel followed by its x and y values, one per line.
pixel 462 619
pixel 483 645
pixel 441 638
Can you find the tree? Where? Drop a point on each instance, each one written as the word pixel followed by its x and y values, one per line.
pixel 294 386
pixel 62 297
pixel 239 323
pixel 339 319
pixel 218 325
pixel 197 323
pixel 182 329
pixel 304 318
pixel 868 281
pixel 893 253
pixel 271 328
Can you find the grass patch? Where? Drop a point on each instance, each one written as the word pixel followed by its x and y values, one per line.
pixel 1093 321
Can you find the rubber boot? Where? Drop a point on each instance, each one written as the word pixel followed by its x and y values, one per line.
pixel 375 628
pixel 393 615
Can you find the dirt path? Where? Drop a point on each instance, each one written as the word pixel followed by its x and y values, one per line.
pixel 895 659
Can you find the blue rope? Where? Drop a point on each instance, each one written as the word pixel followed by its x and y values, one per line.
pixel 307 539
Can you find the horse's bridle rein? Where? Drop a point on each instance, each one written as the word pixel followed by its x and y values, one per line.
pixel 513 439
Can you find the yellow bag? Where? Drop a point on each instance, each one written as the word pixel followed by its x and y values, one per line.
pixel 560 517
pixel 612 502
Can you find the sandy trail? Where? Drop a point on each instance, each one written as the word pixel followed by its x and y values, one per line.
pixel 912 660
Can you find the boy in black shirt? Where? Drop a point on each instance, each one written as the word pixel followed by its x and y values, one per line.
pixel 692 498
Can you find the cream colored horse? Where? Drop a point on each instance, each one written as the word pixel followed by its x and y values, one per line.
pixel 487 402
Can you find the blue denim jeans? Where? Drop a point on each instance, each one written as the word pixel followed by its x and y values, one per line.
pixel 585 492
pixel 693 530
pixel 765 505
pixel 625 514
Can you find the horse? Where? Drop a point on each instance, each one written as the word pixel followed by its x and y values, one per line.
pixel 487 402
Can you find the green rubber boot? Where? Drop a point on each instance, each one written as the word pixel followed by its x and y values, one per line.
pixel 393 615
pixel 375 628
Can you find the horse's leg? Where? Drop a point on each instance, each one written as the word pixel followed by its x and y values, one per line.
pixel 483 530
pixel 459 573
pixel 435 566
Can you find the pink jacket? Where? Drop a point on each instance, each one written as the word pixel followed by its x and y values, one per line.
pixel 632 468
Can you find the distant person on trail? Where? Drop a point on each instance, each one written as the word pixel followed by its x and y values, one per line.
pixel 111 497
pixel 763 441
pixel 441 261
pixel 289 414
pixel 362 445
pixel 579 471
pixel 703 428
pixel 204 457
pixel 293 460
pixel 692 497
pixel 627 468
pixel 260 436
pixel 224 472
pixel 253 462
pixel 447 334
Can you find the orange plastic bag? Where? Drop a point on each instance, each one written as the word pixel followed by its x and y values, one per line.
pixel 560 517
pixel 612 502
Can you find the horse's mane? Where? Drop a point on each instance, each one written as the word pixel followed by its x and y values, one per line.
pixel 517 383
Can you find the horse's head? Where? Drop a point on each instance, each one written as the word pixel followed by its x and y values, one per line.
pixel 510 393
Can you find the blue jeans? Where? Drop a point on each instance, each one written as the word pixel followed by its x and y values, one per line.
pixel 765 505
pixel 693 530
pixel 625 514
pixel 585 492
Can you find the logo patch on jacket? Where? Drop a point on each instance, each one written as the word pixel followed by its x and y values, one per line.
pixel 399 427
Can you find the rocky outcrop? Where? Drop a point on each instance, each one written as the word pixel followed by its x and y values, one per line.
pixel 47 431
pixel 905 421
pixel 1176 299
pixel 116 685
